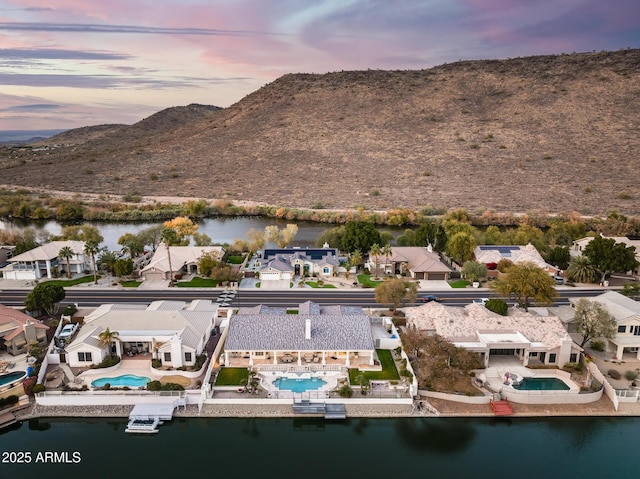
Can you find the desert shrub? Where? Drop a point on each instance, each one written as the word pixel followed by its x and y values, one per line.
pixel 614 373
pixel 154 386
pixel 572 367
pixel 156 363
pixel 498 306
pixel 108 362
pixel 38 388
pixel 597 345
pixel 158 386
pixel 345 391
pixel 631 375
pixel 70 310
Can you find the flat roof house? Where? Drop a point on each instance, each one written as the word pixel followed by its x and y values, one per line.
pixel 523 335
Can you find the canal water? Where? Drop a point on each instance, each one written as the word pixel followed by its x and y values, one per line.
pixel 221 230
pixel 317 448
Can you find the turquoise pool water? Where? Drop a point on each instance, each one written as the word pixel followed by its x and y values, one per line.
pixel 543 384
pixel 12 377
pixel 130 380
pixel 299 385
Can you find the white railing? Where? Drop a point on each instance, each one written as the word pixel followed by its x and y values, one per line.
pixel 298 369
pixel 628 394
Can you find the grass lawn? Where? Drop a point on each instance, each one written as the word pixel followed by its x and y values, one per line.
pixel 235 259
pixel 389 371
pixel 72 282
pixel 130 284
pixel 314 284
pixel 232 377
pixel 366 281
pixel 198 283
pixel 461 283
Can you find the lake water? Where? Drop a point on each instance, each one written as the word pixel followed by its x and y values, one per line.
pixel 220 230
pixel 317 448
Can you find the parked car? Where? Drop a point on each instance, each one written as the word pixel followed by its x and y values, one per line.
pixel 482 301
pixel 428 298
pixel 558 279
pixel 68 330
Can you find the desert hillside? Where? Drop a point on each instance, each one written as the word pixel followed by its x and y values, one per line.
pixel 545 134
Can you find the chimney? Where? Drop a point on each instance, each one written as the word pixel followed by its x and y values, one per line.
pixel 307 329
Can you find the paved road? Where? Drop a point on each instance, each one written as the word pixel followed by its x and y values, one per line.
pixel 91 297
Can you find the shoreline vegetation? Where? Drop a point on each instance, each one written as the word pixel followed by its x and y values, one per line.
pixel 33 204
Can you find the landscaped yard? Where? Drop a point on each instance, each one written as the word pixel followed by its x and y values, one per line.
pixel 314 284
pixel 72 282
pixel 389 371
pixel 461 283
pixel 366 281
pixel 232 377
pixel 198 282
pixel 130 284
pixel 235 259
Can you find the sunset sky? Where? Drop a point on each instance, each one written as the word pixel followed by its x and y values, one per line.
pixel 72 63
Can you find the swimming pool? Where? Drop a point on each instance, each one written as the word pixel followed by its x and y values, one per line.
pixel 542 384
pixel 130 380
pixel 298 385
pixel 9 380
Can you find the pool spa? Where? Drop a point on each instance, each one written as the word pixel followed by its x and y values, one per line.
pixel 542 384
pixel 129 380
pixel 298 385
pixel 9 380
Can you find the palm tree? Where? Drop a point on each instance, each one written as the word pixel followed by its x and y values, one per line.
pixel 107 337
pixel 355 259
pixel 91 248
pixel 386 250
pixel 582 270
pixel 375 252
pixel 66 253
pixel 169 236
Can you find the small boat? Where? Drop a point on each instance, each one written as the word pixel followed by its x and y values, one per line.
pixel 143 425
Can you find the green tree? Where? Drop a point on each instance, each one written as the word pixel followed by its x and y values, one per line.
pixel 631 290
pixel 592 321
pixel 70 211
pixel 331 236
pixel 359 235
pixel 374 254
pixel 526 281
pixel 131 244
pixel 207 263
pixel 582 270
pixel 493 236
pixel 460 247
pixel 150 236
pixel 474 270
pixel 395 291
pixel 355 259
pixel 559 256
pixel 91 248
pixel 123 267
pixel 67 253
pixel 609 257
pixel 497 305
pixel 45 297
pixel 107 261
pixel 202 239
pixel 281 237
pixel 84 232
pixel 387 252
pixel 106 339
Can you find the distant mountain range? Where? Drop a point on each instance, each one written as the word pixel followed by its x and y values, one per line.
pixel 26 136
pixel 541 134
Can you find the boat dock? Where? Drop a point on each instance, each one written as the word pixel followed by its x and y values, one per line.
pixel 145 418
pixel 330 411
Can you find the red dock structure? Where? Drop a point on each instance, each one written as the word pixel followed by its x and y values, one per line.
pixel 502 408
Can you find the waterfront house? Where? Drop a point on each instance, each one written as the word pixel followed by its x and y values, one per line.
pixel 17 330
pixel 578 246
pixel 309 334
pixel 43 261
pixel 626 312
pixel 6 252
pixel 415 261
pixel 174 332
pixel 533 338
pixel 184 260
pixel 278 266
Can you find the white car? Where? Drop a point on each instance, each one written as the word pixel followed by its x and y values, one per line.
pixel 68 330
pixel 481 301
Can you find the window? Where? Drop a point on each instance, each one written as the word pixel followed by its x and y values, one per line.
pixel 167 357
pixel 573 357
pixel 635 330
pixel 622 329
pixel 85 357
pixel 552 358
pixel 325 270
pixel 187 357
pixel 533 355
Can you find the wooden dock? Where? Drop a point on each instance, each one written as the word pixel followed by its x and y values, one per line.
pixel 502 408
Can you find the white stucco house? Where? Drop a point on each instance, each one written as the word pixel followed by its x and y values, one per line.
pixel 527 336
pixel 175 332
pixel 40 262
pixel 626 312
pixel 184 260
pixel 278 267
pixel 578 246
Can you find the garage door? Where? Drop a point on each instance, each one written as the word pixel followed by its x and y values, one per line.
pixel 437 276
pixel 157 276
